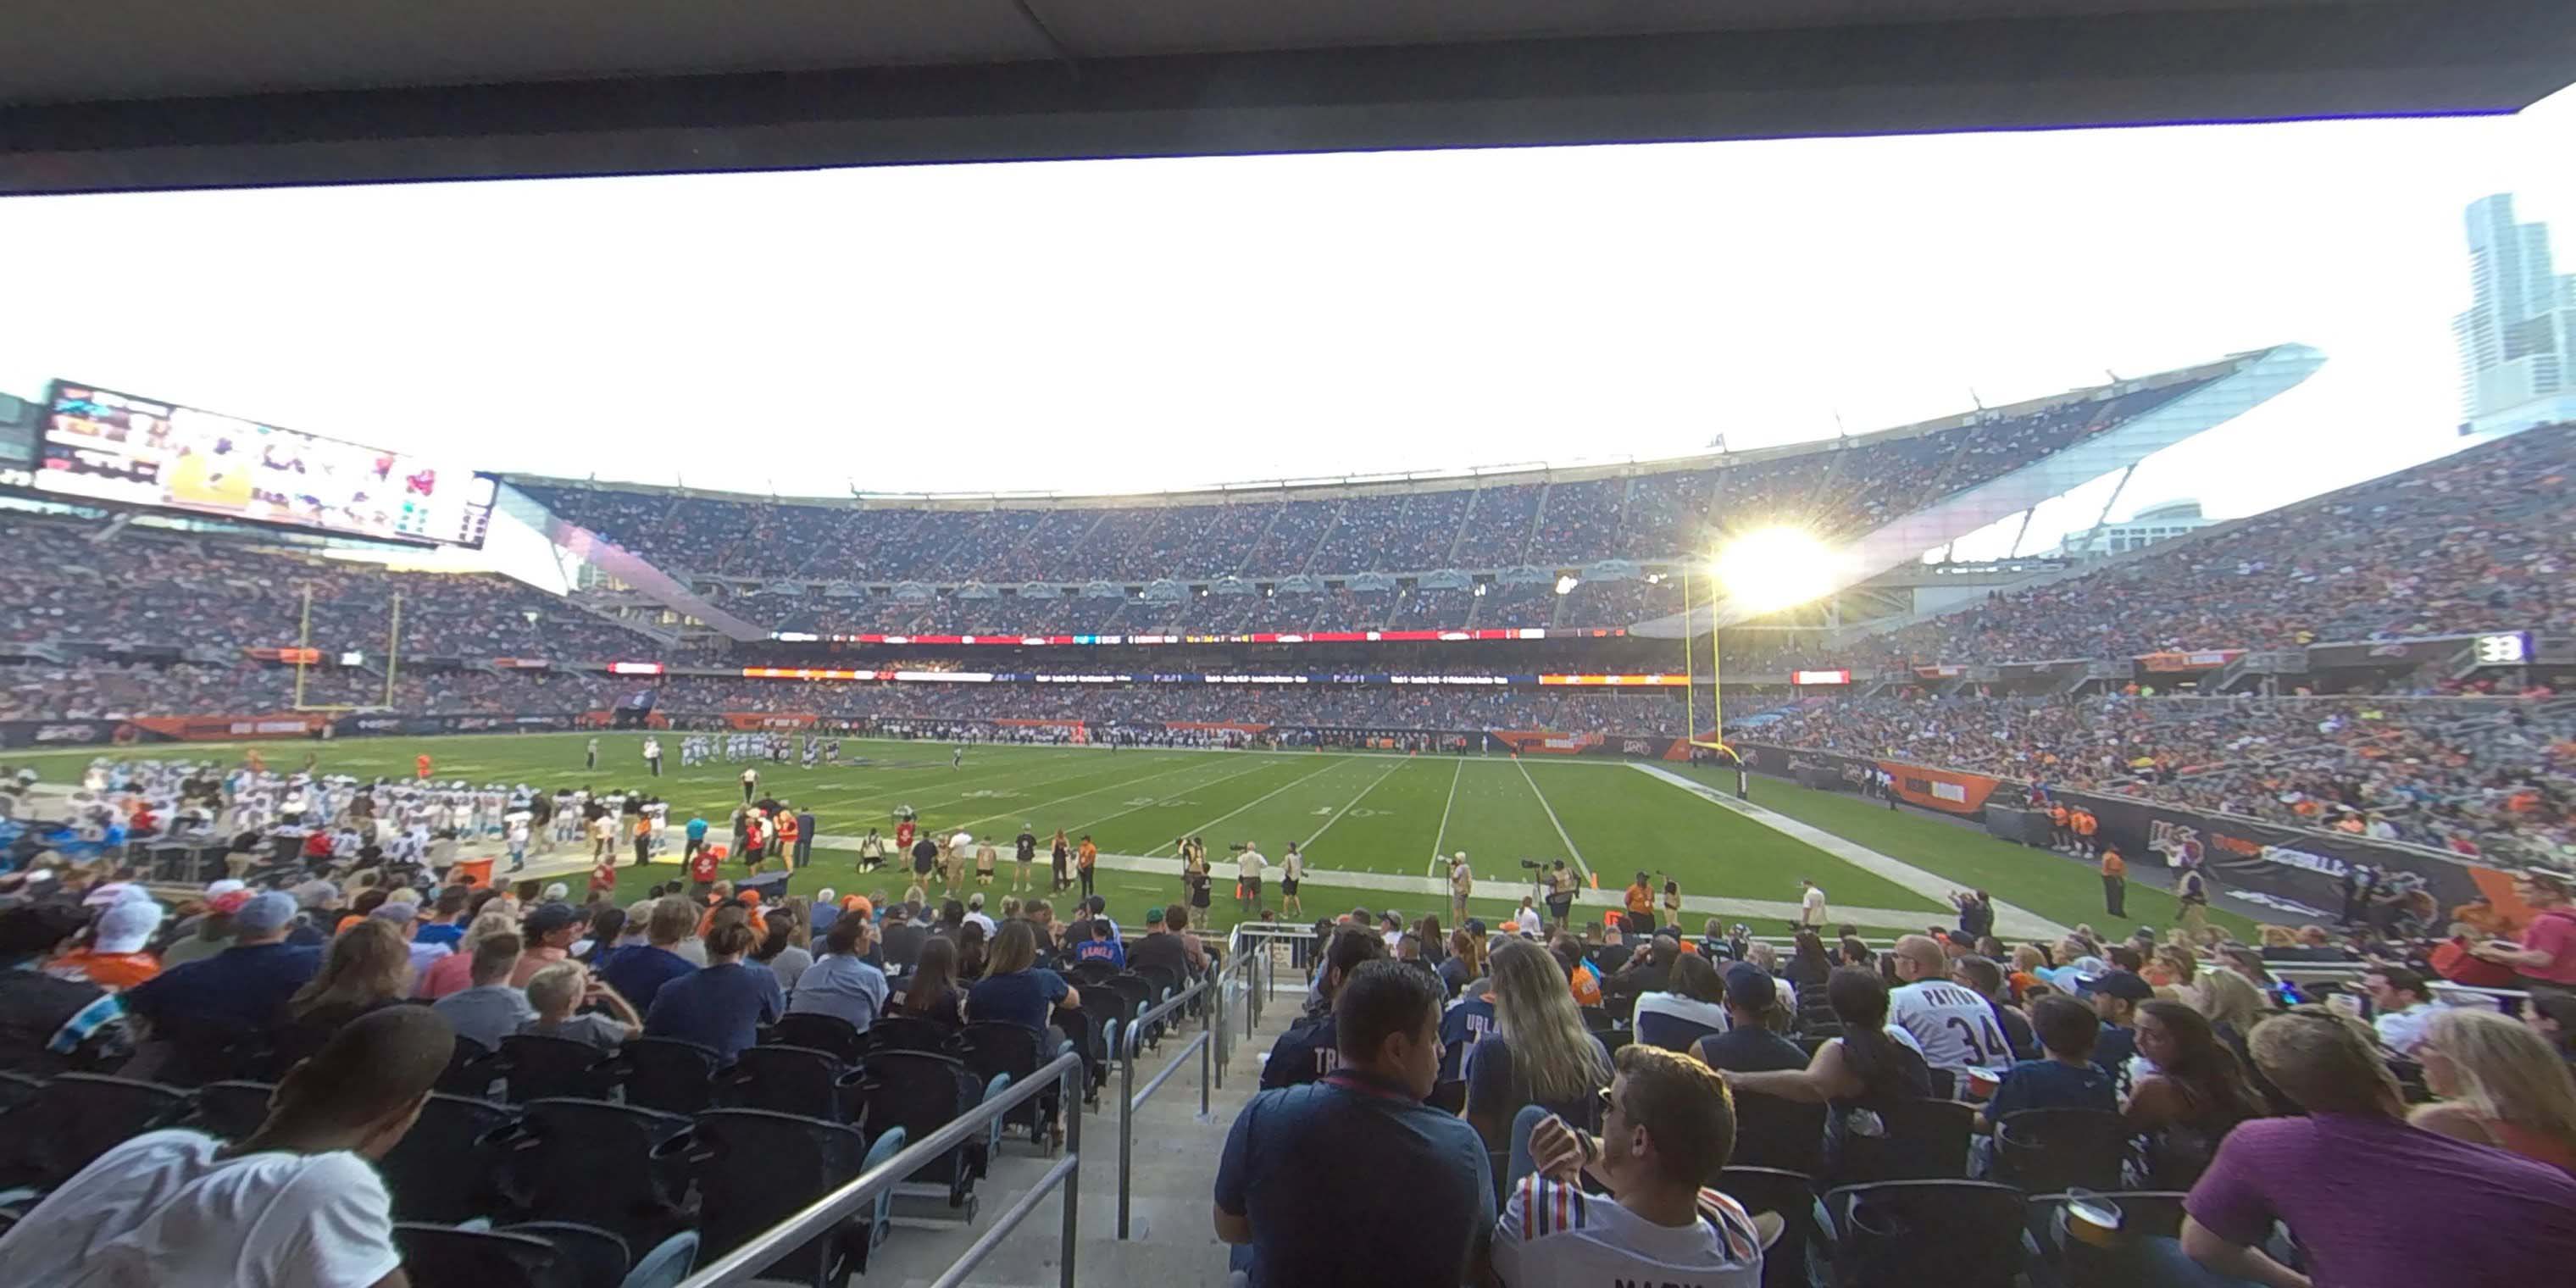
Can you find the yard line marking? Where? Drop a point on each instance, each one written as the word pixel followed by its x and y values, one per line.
pixel 1442 839
pixel 1579 864
pixel 1346 805
pixel 1026 812
pixel 1195 787
pixel 2010 919
pixel 1336 763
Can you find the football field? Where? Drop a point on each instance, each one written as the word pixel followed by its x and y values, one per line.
pixel 1371 825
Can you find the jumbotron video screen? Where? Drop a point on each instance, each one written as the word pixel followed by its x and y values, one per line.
pixel 110 446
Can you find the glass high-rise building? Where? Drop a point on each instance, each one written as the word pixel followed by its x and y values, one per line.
pixel 2518 338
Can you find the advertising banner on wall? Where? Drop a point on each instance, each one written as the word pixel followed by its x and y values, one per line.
pixel 40 735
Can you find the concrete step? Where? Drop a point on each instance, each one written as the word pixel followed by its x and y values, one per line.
pixel 1172 1239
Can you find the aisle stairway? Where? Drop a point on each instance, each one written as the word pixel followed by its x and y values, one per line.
pixel 1173 1243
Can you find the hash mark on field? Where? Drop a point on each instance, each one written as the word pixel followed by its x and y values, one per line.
pixel 1346 805
pixel 1335 763
pixel 1551 817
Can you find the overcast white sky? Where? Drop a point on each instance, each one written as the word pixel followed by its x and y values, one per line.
pixel 1140 324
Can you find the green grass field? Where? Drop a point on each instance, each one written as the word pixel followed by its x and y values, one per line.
pixel 1351 814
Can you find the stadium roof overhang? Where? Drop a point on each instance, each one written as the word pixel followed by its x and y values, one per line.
pixel 2259 378
pixel 143 94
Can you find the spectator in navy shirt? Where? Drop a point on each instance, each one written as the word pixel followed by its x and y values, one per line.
pixel 1309 1049
pixel 722 1005
pixel 2068 1078
pixel 203 1007
pixel 639 971
pixel 1103 946
pixel 1353 1179
pixel 1014 990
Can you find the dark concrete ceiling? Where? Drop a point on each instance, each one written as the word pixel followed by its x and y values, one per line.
pixel 127 94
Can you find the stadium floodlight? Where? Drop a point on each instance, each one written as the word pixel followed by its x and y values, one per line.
pixel 1769 569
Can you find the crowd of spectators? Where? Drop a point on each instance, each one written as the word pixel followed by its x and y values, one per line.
pixel 1839 489
pixel 2471 542
pixel 2470 775
pixel 1651 1118
pixel 143 587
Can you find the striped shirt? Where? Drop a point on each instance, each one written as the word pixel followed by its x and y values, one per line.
pixel 1553 1235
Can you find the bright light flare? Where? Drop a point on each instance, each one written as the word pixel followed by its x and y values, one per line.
pixel 1774 568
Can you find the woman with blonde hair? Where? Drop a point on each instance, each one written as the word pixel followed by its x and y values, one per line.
pixel 1539 1052
pixel 366 968
pixel 454 972
pixel 2499 1084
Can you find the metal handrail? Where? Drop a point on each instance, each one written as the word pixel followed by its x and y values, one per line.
pixel 1131 1041
pixel 1062 1073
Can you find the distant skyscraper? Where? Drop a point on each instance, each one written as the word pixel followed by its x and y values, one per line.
pixel 2518 338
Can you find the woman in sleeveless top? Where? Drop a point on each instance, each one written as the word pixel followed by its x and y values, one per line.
pixel 2500 1084
pixel 1859 1075
pixel 2197 1094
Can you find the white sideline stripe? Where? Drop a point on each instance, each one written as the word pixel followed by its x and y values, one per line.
pixel 1443 838
pixel 1584 867
pixel 2011 922
pixel 1346 805
pixel 1337 762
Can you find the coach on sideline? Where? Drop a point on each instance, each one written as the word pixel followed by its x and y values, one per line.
pixel 1418 1208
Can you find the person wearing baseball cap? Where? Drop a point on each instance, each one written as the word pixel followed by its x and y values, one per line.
pixel 210 931
pixel 2116 995
pixel 114 957
pixel 204 1007
pixel 50 1025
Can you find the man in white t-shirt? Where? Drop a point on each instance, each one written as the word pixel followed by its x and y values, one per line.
pixel 2398 994
pixel 1811 905
pixel 296 1205
pixel 750 784
pixel 1247 873
pixel 1953 1026
pixel 1668 1129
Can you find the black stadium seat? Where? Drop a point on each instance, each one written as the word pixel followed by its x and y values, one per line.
pixel 789 1080
pixel 448 1167
pixel 753 1169
pixel 1893 1233
pixel 997 1047
pixel 1926 1140
pixel 74 1118
pixel 442 1256
pixel 232 1110
pixel 821 1032
pixel 534 1067
pixel 2050 1151
pixel 1790 1194
pixel 597 1163
pixel 921 1092
pixel 668 1074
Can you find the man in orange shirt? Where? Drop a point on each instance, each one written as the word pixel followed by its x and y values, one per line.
pixel 2115 882
pixel 1640 899
pixel 115 958
pixel 2085 825
pixel 420 765
pixel 2060 834
pixel 1084 856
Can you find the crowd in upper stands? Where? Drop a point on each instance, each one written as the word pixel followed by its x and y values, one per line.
pixel 2472 542
pixel 1841 491
pixel 2466 775
pixel 70 582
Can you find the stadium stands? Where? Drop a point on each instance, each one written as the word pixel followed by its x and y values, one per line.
pixel 1838 490
pixel 149 588
pixel 2463 774
pixel 2468 543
